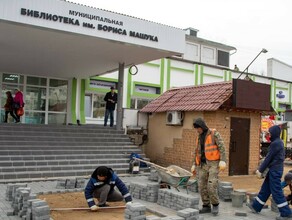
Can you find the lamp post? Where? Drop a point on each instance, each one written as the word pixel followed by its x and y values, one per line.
pixel 246 69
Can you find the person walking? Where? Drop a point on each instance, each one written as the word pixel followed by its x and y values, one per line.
pixel 18 103
pixel 272 183
pixel 101 186
pixel 9 107
pixel 209 160
pixel 111 99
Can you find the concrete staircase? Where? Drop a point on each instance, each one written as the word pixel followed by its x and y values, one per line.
pixel 53 151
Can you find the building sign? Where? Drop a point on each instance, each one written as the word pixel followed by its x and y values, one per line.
pixel 280 95
pixel 146 89
pixel 89 21
pixel 94 26
pixel 99 84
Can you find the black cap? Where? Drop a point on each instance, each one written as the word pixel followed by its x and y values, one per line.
pixel 112 87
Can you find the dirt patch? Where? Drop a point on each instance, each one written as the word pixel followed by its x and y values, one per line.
pixel 77 200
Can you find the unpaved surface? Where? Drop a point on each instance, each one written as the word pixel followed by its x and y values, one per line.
pixel 77 200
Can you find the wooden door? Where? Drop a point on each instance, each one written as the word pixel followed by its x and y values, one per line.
pixel 239 146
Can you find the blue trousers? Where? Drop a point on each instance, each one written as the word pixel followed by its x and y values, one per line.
pixel 272 185
pixel 110 113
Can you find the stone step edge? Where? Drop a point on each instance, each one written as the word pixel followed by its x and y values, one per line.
pixel 142 173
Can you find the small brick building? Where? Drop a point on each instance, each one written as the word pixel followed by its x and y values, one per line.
pixel 170 123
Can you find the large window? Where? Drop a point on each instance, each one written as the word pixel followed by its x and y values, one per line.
pixel 58 95
pixel 45 99
pixel 94 106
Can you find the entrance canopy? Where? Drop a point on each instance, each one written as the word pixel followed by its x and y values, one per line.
pixel 62 39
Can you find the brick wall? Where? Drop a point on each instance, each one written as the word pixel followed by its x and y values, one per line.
pixel 179 152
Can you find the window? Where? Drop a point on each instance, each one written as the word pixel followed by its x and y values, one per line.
pixel 94 106
pixel 223 58
pixel 139 103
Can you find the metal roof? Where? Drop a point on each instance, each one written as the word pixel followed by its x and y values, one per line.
pixel 207 97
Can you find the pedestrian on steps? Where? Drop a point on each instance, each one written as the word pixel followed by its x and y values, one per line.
pixel 9 107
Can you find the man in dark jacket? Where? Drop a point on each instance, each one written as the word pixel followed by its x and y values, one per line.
pixel 111 99
pixel 101 186
pixel 272 184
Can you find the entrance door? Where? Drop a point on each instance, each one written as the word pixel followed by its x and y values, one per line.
pixel 239 146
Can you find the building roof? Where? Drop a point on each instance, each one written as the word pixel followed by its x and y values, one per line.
pixel 207 97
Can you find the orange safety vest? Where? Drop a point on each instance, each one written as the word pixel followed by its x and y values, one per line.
pixel 211 149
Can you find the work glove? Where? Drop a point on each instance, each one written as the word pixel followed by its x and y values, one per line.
pixel 222 165
pixel 259 174
pixel 94 208
pixel 193 169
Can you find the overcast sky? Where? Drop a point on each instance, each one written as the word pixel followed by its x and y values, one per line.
pixel 248 25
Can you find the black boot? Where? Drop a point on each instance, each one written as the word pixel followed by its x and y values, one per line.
pixel 205 209
pixel 215 209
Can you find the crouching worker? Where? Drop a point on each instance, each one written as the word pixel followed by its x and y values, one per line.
pixel 288 182
pixel 101 186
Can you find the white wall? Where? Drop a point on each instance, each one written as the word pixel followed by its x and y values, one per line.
pixel 279 70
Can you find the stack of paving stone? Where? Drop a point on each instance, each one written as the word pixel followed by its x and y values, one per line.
pixel 10 190
pixel 138 190
pixel 225 190
pixel 135 211
pixel 25 204
pixel 177 200
pixel 147 191
pixel 80 183
pixel 153 175
pixel 189 214
pixel 152 192
pixel 40 210
pixel 71 183
pixel 17 200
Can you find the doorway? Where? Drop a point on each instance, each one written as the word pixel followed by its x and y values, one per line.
pixel 239 146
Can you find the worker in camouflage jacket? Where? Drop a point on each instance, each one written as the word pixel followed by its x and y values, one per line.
pixel 209 159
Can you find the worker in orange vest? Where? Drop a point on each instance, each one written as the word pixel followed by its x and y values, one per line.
pixel 209 160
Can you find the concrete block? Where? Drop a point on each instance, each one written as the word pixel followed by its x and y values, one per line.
pixel 240 213
pixel 152 217
pixel 237 199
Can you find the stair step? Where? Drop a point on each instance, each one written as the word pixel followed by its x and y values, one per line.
pixel 57 173
pixel 73 143
pixel 12 158
pixel 52 151
pixel 37 147
pixel 58 152
pixel 62 167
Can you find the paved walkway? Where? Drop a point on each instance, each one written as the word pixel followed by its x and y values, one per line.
pixel 47 187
